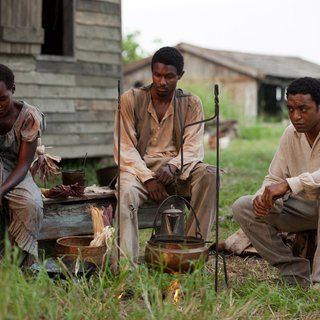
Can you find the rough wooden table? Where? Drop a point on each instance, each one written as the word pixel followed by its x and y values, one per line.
pixel 68 217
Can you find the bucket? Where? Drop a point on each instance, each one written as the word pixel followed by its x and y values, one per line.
pixel 107 176
pixel 73 176
pixel 73 247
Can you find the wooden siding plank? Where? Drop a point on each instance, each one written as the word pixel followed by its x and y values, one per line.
pixel 71 152
pixel 77 139
pixel 21 12
pixel 82 116
pixel 91 81
pixel 84 127
pixel 63 67
pixel 18 63
pixel 87 44
pixel 5 13
pixel 35 14
pixel 100 57
pixel 95 93
pixel 107 33
pixel 98 6
pixel 19 48
pixel 5 47
pixel 98 19
pixel 36 91
pixel 15 11
pixel 22 35
pixel 48 106
pixel 85 68
pixel 14 48
pixel 34 49
pixel 98 105
pixel 45 78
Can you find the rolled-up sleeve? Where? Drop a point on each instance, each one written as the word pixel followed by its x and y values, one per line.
pixel 309 183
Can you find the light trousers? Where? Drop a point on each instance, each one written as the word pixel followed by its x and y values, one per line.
pixel 200 186
pixel 264 233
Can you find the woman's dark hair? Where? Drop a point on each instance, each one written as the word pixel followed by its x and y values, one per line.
pixel 7 76
pixel 305 85
pixel 169 56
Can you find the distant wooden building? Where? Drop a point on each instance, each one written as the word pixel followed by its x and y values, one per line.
pixel 254 83
pixel 66 56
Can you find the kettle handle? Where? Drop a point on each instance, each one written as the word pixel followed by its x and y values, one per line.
pixel 157 216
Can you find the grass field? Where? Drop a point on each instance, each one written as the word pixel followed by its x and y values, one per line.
pixel 253 291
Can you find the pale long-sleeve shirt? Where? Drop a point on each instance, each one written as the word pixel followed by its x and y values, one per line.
pixel 160 149
pixel 298 163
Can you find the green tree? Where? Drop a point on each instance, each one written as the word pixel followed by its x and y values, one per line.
pixel 131 49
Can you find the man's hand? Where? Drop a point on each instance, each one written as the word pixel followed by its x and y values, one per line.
pixel 263 203
pixel 273 192
pixel 259 207
pixel 165 174
pixel 156 190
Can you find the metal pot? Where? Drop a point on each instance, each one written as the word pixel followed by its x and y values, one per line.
pixel 172 222
pixel 175 253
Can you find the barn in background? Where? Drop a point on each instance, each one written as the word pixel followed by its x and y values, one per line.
pixel 66 55
pixel 253 83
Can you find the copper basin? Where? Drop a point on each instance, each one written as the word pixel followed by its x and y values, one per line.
pixel 176 253
pixel 70 248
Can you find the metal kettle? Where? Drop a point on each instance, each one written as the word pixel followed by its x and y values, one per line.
pixel 172 222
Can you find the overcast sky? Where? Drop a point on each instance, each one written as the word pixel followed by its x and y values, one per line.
pixel 280 27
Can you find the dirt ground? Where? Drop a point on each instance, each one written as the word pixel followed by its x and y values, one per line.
pixel 241 268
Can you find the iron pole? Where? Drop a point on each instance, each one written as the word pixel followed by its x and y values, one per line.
pixel 118 207
pixel 216 100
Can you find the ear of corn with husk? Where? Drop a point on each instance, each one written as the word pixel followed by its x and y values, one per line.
pixel 97 220
pixel 44 165
pixel 103 232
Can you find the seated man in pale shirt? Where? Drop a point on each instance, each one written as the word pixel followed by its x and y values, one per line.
pixel 289 198
pixel 152 118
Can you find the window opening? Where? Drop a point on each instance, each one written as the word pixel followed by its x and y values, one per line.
pixel 57 22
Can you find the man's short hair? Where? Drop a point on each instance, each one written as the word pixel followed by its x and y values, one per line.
pixel 169 56
pixel 305 85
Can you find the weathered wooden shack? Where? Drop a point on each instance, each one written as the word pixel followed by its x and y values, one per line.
pixel 66 55
pixel 253 83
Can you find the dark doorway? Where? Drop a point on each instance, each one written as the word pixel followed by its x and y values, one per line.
pixel 270 100
pixel 57 22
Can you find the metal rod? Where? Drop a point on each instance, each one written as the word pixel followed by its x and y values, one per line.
pixel 217 116
pixel 216 100
pixel 118 206
pixel 189 125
